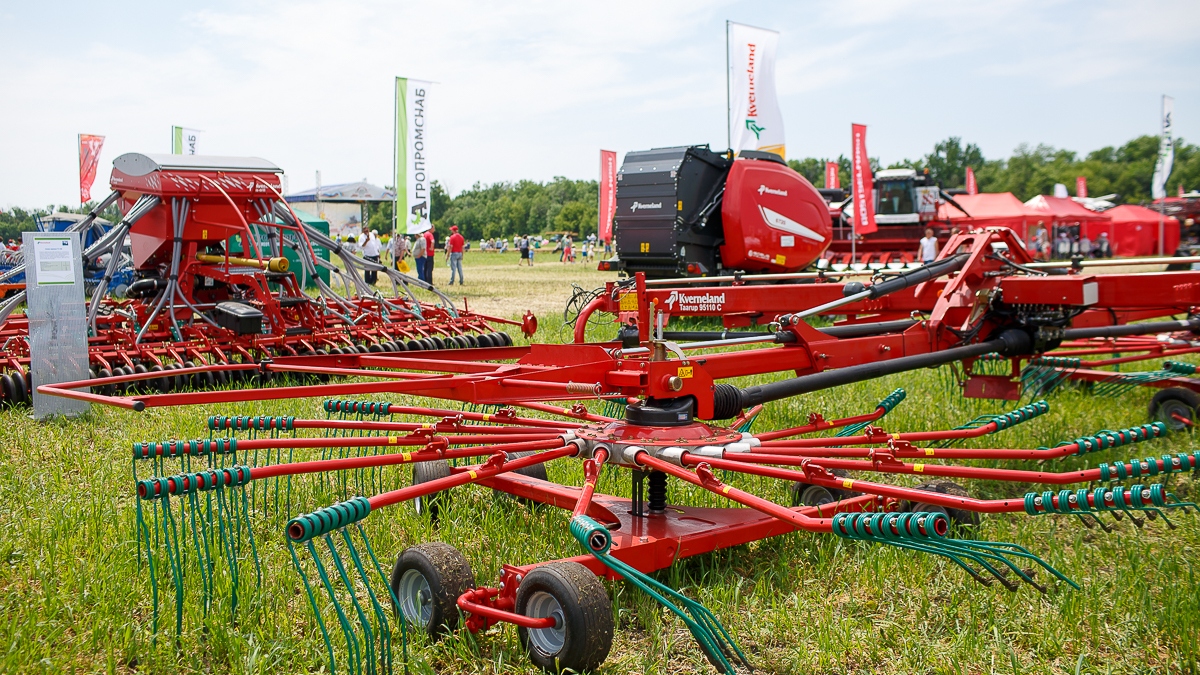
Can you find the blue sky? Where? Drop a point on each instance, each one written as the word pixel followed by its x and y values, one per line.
pixel 534 89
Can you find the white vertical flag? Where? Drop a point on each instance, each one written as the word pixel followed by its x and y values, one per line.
pixel 1166 151
pixel 184 140
pixel 412 171
pixel 755 122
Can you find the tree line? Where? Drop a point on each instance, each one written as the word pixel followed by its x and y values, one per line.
pixel 506 209
pixel 1033 170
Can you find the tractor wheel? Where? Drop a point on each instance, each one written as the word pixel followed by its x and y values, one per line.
pixel 582 634
pixel 806 494
pixel 427 580
pixel 1174 404
pixel 957 517
pixel 423 472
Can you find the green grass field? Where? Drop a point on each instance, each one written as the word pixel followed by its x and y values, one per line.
pixel 73 597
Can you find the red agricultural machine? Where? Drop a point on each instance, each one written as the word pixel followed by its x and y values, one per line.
pixel 208 238
pixel 673 422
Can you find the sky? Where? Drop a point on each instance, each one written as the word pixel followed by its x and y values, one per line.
pixel 533 90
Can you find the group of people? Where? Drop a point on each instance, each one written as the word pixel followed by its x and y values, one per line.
pixel 423 250
pixel 1068 244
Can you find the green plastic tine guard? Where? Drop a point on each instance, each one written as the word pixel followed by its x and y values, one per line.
pixel 1134 468
pixel 323 521
pixel 198 447
pixel 703 624
pixel 1150 498
pixel 1022 414
pixel 251 423
pixel 1116 439
pixel 359 407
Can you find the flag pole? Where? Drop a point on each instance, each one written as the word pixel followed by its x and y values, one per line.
pixel 728 94
pixel 395 143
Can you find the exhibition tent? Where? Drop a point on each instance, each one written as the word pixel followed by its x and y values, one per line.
pixel 1133 230
pixel 989 209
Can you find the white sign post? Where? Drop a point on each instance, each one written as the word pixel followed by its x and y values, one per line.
pixel 58 341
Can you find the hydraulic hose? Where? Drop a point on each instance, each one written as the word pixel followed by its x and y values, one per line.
pixel 1130 329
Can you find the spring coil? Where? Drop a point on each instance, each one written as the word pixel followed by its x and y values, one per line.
pixel 1102 499
pixel 590 533
pixel 1150 466
pixel 185 483
pixel 1056 361
pixel 216 446
pixel 1022 414
pixel 890 526
pixel 251 423
pixel 892 400
pixel 369 407
pixel 323 521
pixel 1180 368
pixel 1115 439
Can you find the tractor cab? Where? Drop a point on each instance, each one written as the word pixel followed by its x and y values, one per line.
pixel 903 196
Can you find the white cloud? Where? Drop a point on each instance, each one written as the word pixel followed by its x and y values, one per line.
pixel 533 90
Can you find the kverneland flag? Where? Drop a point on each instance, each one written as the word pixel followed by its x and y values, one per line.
pixel 89 161
pixel 972 188
pixel 608 193
pixel 755 122
pixel 862 183
pixel 1166 151
pixel 412 169
pixel 184 140
pixel 1081 186
pixel 832 180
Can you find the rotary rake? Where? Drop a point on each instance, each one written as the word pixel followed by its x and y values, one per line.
pixel 203 515
pixel 209 238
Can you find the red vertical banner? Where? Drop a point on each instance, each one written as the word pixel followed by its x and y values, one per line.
pixel 832 180
pixel 608 193
pixel 972 187
pixel 1081 186
pixel 1181 189
pixel 89 161
pixel 863 184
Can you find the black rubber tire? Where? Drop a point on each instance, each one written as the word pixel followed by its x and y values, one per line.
pixel 375 349
pixel 26 381
pixel 1174 400
pixel 585 627
pixel 222 378
pixel 191 381
pixel 448 575
pixel 8 389
pixel 387 347
pixel 177 381
pixel 536 471
pixel 106 390
pixel 807 494
pixel 438 343
pixel 506 338
pixel 361 349
pixel 209 379
pixel 472 341
pixel 120 387
pixel 428 344
pixel 414 346
pixel 462 341
pixel 960 518
pixel 435 503
pixel 485 341
pixel 399 346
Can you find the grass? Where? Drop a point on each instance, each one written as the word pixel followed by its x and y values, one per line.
pixel 73 599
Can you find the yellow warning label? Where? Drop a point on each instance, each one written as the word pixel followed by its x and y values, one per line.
pixel 896 436
pixel 679 207
pixel 487 417
pixel 629 302
pixel 685 372
pixel 919 468
pixel 407 456
pixel 848 483
pixel 780 259
pixel 392 440
pixel 204 234
pixel 929 452
pixel 473 475
pixel 725 490
pixel 644 247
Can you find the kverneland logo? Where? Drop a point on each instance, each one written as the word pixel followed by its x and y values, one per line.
pixel 695 299
pixel 771 191
pixel 651 205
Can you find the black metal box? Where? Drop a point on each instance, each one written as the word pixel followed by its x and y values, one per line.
pixel 668 210
pixel 238 317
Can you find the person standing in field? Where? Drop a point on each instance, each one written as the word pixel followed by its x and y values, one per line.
pixel 454 249
pixel 927 250
pixel 371 249
pixel 399 249
pixel 430 249
pixel 418 253
pixel 523 248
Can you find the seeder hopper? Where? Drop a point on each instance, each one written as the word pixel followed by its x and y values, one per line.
pixel 671 421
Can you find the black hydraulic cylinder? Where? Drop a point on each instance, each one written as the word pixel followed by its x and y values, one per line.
pixel 1009 343
pixel 920 275
pixel 848 331
pixel 1130 329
